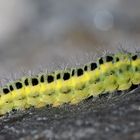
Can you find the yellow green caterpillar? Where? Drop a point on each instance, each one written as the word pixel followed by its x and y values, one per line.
pixel 113 72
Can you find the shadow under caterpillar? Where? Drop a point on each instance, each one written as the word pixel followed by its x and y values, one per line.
pixel 111 73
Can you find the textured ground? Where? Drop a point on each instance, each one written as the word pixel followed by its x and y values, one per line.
pixel 111 117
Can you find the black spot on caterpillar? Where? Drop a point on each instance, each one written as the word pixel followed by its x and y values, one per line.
pixel 93 66
pixel 34 82
pixel 109 58
pixel 6 90
pixel 58 76
pixel 66 76
pixel 18 85
pixel 50 78
pixel 11 88
pixel 26 82
pixel 80 72
pixel 101 61
pixel 110 73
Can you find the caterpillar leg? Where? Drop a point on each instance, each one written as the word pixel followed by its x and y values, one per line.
pixel 6 104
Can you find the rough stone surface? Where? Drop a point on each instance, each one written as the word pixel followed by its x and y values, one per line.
pixel 106 118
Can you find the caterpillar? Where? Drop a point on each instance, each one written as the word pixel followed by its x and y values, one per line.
pixel 110 73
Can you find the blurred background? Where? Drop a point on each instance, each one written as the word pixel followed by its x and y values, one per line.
pixel 46 33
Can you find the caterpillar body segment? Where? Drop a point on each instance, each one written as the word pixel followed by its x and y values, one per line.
pixel 109 74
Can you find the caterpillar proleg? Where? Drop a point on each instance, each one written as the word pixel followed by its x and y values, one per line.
pixel 110 73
